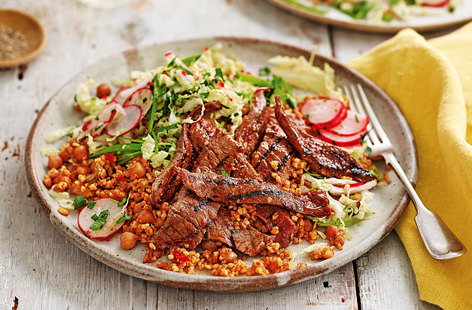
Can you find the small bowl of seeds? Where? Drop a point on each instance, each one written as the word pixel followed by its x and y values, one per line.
pixel 22 37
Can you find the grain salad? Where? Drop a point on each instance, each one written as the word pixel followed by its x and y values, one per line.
pixel 214 169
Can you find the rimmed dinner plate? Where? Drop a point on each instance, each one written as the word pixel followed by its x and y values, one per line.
pixel 462 14
pixel 390 201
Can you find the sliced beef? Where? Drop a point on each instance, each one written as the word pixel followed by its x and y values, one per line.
pixel 219 152
pixel 202 131
pixel 222 153
pixel 273 216
pixel 252 128
pixel 227 189
pixel 274 147
pixel 243 169
pixel 167 184
pixel 324 158
pixel 251 241
pixel 220 229
pixel 186 223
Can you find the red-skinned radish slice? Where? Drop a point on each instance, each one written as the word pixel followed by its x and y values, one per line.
pixel 110 227
pixel 338 140
pixel 119 97
pixel 123 123
pixel 435 3
pixel 353 124
pixel 342 187
pixel 105 116
pixel 322 112
pixel 142 98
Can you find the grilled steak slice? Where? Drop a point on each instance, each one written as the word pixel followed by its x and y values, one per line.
pixel 201 131
pixel 250 241
pixel 167 184
pixel 227 189
pixel 274 147
pixel 220 229
pixel 273 216
pixel 222 153
pixel 323 158
pixel 219 152
pixel 186 223
pixel 243 169
pixel 252 128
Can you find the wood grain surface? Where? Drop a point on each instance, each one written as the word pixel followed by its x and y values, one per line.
pixel 39 269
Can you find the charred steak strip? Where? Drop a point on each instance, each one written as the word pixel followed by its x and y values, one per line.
pixel 273 216
pixel 274 147
pixel 251 241
pixel 323 158
pixel 227 189
pixel 252 128
pixel 167 184
pixel 186 223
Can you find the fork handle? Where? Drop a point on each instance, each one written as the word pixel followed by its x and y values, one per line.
pixel 439 240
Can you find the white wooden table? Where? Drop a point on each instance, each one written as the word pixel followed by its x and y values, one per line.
pixel 39 269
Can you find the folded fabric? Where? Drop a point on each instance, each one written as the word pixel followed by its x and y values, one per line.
pixel 432 84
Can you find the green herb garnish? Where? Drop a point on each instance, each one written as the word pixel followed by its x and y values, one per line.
pixel 100 220
pixel 264 71
pixel 124 218
pixel 79 202
pixel 224 173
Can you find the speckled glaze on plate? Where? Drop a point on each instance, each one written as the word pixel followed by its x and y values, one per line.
pixel 462 14
pixel 390 201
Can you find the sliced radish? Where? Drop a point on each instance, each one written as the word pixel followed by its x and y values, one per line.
pixel 354 123
pixel 322 112
pixel 122 123
pixel 119 97
pixel 356 187
pixel 105 115
pixel 142 98
pixel 110 227
pixel 435 3
pixel 335 139
pixel 338 120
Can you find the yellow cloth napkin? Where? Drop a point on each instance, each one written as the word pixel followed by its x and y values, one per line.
pixel 432 84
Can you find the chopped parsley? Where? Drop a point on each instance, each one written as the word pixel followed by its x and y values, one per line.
pixel 100 220
pixel 80 202
pixel 224 173
pixel 124 218
pixel 264 71
pixel 122 202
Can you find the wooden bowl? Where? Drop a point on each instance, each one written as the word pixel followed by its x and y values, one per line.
pixel 31 28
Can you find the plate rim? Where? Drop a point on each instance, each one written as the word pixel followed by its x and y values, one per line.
pixel 352 25
pixel 214 283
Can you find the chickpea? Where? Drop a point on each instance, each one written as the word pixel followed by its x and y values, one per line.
pixel 54 161
pixel 47 181
pixel 103 90
pixel 331 231
pixel 308 225
pixel 145 216
pixel 227 256
pixel 80 153
pixel 128 240
pixel 136 170
pixel 66 153
pixel 62 178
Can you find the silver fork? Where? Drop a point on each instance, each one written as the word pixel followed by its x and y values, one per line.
pixel 439 240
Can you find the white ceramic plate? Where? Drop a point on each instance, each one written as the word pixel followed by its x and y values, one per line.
pixel 58 113
pixel 462 14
